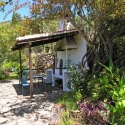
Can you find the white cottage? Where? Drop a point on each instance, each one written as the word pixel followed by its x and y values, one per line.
pixel 71 47
pixel 70 51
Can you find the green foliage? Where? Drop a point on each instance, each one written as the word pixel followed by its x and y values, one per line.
pixel 112 90
pixel 16 18
pixel 3 74
pixel 69 99
pixel 79 82
pixel 119 39
pixel 9 65
pixel 8 34
pixel 13 75
pixel 108 86
pixel 66 120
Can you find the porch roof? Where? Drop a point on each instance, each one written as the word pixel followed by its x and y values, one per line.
pixel 40 39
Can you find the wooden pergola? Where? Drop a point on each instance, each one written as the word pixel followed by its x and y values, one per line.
pixel 29 41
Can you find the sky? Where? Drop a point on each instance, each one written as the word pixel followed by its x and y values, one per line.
pixel 7 14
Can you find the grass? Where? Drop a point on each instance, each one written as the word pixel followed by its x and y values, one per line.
pixel 4 23
pixel 66 120
pixel 13 75
pixel 69 100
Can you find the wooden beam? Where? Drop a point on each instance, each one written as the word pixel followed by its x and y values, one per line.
pixel 24 46
pixel 54 37
pixel 31 75
pixel 46 38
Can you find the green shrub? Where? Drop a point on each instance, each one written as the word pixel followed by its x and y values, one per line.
pixel 79 81
pixel 13 75
pixel 3 74
pixel 107 86
pixel 111 90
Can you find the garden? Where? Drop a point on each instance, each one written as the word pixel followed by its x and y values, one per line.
pixel 98 99
pixel 98 92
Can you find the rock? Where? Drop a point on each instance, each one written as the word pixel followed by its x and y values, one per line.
pixel 40 123
pixel 1 106
pixel 9 114
pixel 11 123
pixel 58 108
pixel 25 115
pixel 35 117
pixel 21 110
pixel 44 114
pixel 5 109
pixel 3 120
pixel 23 121
pixel 50 107
pixel 53 122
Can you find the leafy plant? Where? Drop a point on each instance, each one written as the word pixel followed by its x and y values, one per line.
pixel 3 74
pixel 111 90
pixel 79 81
pixel 93 113
pixel 107 86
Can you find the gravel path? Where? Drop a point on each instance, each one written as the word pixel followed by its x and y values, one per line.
pixel 16 109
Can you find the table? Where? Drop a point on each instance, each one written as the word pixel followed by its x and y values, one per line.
pixel 38 77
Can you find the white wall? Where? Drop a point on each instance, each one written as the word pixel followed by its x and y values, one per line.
pixel 61 55
pixel 75 55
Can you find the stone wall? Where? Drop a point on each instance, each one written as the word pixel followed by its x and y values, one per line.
pixel 44 61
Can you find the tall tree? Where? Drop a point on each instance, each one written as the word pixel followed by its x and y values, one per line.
pixel 103 21
pixel 15 18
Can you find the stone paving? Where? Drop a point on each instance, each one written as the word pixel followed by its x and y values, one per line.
pixel 16 109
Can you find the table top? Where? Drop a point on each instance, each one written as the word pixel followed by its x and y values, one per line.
pixel 37 76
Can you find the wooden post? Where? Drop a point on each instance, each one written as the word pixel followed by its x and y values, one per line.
pixel 66 54
pixel 20 63
pixel 31 78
